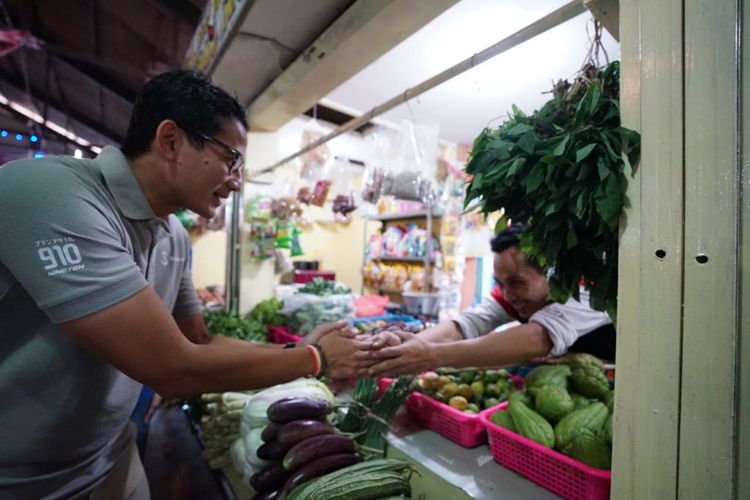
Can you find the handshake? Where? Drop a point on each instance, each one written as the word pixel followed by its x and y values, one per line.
pixel 353 355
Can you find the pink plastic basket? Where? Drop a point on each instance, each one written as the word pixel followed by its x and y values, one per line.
pixel 464 429
pixel 558 473
pixel 281 335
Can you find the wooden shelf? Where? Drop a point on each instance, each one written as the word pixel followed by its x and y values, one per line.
pixel 419 260
pixel 408 215
pixel 385 290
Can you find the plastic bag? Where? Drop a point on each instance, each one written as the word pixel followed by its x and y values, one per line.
pixel 415 155
pixel 370 305
pixel 377 171
pixel 306 311
pixel 342 186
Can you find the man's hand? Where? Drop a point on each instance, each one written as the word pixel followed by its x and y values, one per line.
pixel 156 403
pixel 340 348
pixel 320 330
pixel 412 355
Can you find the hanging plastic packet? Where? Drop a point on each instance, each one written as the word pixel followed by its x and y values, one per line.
pixel 342 186
pixel 323 185
pixel 415 155
pixel 312 162
pixel 284 230
pixel 377 177
pixel 295 243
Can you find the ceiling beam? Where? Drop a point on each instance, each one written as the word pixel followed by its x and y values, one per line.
pixel 363 33
pixel 114 137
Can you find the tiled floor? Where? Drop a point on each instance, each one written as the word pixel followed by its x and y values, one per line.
pixel 173 462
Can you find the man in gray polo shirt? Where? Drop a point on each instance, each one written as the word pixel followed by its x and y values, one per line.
pixel 94 300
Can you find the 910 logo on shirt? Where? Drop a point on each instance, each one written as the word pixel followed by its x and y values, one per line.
pixel 60 259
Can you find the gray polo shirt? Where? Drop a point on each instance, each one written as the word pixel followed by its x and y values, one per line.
pixel 76 236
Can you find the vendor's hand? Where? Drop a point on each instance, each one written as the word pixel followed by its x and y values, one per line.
pixel 386 338
pixel 412 355
pixel 339 349
pixel 320 330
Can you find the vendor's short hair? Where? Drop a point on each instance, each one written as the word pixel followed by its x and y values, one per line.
pixel 508 237
pixel 511 237
pixel 186 96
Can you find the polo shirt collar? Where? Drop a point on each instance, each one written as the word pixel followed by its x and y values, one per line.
pixel 124 187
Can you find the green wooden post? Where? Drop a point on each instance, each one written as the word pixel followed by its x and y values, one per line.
pixel 743 375
pixel 682 413
pixel 650 294
pixel 710 327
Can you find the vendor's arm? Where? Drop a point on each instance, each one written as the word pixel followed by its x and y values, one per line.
pixel 514 345
pixel 139 337
pixel 480 320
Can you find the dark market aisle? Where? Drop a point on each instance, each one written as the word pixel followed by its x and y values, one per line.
pixel 173 462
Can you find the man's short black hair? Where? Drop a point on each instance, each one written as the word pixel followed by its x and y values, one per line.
pixel 189 98
pixel 511 237
pixel 508 237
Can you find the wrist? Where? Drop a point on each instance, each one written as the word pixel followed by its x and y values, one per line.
pixel 323 360
pixel 315 356
pixel 435 354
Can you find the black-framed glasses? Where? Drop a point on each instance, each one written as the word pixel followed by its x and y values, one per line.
pixel 236 164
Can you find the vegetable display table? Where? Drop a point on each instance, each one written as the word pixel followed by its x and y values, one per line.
pixel 450 471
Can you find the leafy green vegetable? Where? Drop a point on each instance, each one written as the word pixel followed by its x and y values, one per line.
pixel 562 170
pixel 222 323
pixel 266 312
pixel 320 286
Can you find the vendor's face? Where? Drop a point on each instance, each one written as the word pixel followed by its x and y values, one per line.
pixel 207 177
pixel 522 285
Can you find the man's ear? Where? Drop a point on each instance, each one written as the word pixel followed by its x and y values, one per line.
pixel 167 140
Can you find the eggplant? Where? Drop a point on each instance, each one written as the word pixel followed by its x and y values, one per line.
pixel 269 432
pixel 295 431
pixel 322 465
pixel 269 478
pixel 272 450
pixel 315 447
pixel 288 409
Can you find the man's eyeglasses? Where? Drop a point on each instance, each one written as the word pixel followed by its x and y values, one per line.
pixel 235 164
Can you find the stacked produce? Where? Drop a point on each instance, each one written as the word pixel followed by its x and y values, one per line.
pixel 467 390
pixel 300 445
pixel 320 301
pixel 255 418
pixel 220 425
pixel 567 407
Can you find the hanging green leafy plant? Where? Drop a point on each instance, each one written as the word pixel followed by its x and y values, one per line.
pixel 561 170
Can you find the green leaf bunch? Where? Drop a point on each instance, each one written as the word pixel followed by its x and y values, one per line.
pixel 562 170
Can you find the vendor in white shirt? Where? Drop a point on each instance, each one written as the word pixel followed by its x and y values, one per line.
pixel 547 329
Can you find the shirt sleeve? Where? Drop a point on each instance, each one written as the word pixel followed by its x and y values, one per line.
pixel 482 319
pixel 187 302
pixel 65 248
pixel 566 323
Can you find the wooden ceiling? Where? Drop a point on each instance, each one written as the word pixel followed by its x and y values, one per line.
pixel 94 55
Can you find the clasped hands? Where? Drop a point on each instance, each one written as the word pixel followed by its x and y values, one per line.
pixel 388 353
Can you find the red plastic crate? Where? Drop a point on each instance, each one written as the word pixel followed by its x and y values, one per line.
pixel 550 469
pixel 281 335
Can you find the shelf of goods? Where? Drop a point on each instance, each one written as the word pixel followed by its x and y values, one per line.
pixel 387 267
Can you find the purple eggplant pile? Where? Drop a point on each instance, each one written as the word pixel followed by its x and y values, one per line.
pixel 301 445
